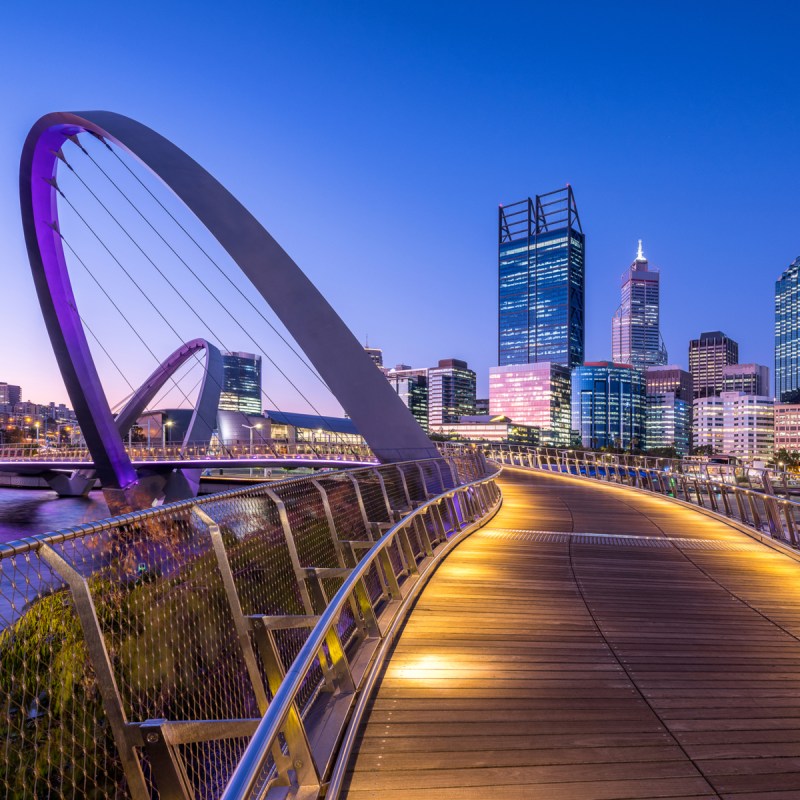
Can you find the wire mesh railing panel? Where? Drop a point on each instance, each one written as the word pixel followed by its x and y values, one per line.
pixel 209 765
pixel 164 617
pixel 256 548
pixel 432 477
pixel 394 488
pixel 373 497
pixel 347 517
pixel 414 483
pixel 308 521
pixel 55 738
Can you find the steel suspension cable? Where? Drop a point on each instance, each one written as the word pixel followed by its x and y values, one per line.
pixel 311 405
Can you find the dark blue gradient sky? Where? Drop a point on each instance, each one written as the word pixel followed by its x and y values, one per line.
pixel 375 141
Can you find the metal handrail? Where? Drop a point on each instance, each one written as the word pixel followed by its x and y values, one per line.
pixel 758 506
pixel 244 780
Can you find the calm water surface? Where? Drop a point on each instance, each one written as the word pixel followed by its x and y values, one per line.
pixel 24 512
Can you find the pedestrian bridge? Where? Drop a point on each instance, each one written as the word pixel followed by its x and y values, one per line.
pixel 592 642
pixel 414 630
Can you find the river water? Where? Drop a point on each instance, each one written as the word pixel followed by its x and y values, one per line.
pixel 24 512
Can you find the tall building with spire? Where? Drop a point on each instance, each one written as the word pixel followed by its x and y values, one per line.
pixel 635 329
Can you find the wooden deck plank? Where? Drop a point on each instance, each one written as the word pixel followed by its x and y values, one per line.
pixel 580 667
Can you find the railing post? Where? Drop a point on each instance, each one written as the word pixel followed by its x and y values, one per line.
pixel 104 672
pixel 299 572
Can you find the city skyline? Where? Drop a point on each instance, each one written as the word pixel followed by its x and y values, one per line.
pixel 649 160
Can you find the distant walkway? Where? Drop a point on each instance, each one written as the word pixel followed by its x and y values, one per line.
pixel 593 643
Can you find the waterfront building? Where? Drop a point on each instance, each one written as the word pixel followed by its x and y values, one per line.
pixel 787 427
pixel 608 405
pixel 10 394
pixel 707 423
pixel 541 260
pixel 280 431
pixel 451 392
pixel 635 330
pixel 412 387
pixel 746 378
pixel 748 426
pixel 670 378
pixel 486 428
pixel 668 422
pixel 534 394
pixel 787 334
pixel 241 386
pixel 707 357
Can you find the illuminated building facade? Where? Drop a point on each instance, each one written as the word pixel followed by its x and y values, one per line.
pixel 451 392
pixel 534 394
pixel 746 378
pixel 489 429
pixel 707 357
pixel 668 422
pixel 748 426
pixel 635 331
pixel 241 387
pixel 670 378
pixel 541 281
pixel 608 405
pixel 787 427
pixel 707 423
pixel 787 334
pixel 10 395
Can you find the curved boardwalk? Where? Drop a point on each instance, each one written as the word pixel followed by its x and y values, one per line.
pixel 549 658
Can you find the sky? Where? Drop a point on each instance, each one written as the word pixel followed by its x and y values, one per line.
pixel 376 140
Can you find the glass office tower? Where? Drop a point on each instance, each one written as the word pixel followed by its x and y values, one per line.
pixel 542 276
pixel 608 405
pixel 787 334
pixel 241 385
pixel 708 355
pixel 635 331
pixel 451 392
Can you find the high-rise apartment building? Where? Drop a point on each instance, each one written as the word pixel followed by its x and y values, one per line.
pixel 451 392
pixel 635 330
pixel 241 385
pixel 787 334
pixel 534 394
pixel 670 378
pixel 746 378
pixel 608 405
pixel 412 386
pixel 10 395
pixel 542 275
pixel 707 356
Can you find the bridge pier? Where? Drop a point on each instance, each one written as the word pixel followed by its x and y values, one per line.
pixel 75 484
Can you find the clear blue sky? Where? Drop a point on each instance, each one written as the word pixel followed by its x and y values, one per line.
pixel 375 141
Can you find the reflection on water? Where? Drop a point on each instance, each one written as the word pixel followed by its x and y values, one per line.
pixel 24 512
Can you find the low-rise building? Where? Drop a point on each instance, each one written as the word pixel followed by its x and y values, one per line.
pixel 485 428
pixel 787 427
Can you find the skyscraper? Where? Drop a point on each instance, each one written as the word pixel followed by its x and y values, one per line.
pixel 787 334
pixel 670 378
pixel 376 354
pixel 635 331
pixel 451 392
pixel 542 276
pixel 412 387
pixel 608 405
pixel 10 394
pixel 707 356
pixel 241 385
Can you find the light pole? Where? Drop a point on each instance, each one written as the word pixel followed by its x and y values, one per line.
pixel 36 425
pixel 258 426
pixel 166 423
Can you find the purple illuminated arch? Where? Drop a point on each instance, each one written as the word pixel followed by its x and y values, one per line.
pixel 377 411
pixel 202 423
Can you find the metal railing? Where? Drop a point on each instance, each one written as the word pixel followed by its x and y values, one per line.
pixel 138 655
pixel 756 497
pixel 276 449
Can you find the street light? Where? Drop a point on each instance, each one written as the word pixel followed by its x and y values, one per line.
pixel 36 425
pixel 164 425
pixel 258 426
